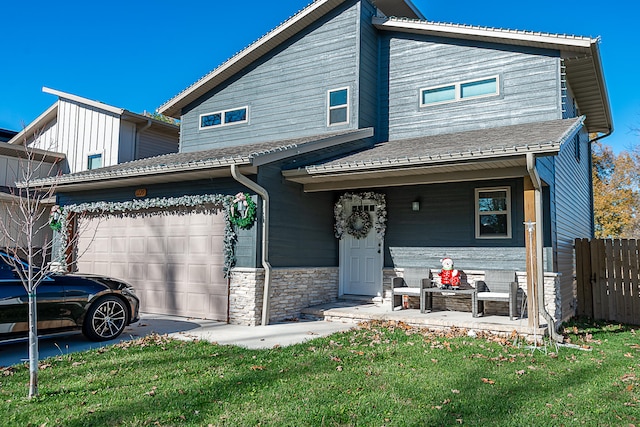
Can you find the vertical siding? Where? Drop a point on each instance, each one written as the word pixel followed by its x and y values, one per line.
pixel 81 130
pixel 529 85
pixel 574 211
pixel 286 92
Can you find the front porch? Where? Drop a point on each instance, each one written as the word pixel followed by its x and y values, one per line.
pixel 355 311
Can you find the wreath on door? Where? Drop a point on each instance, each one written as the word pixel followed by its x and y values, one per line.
pixel 358 224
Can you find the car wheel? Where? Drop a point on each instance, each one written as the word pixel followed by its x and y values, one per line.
pixel 105 319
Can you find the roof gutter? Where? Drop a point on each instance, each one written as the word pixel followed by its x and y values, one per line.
pixel 266 303
pixel 537 185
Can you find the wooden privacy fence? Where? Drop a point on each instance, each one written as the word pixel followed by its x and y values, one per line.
pixel 608 279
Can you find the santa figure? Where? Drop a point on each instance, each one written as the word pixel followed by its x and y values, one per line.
pixel 449 277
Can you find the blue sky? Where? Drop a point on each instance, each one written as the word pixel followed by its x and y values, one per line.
pixel 138 54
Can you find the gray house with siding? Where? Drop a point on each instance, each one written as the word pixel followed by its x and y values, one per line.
pixel 370 144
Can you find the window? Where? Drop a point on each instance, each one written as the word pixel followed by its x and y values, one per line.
pixel 493 213
pixel 225 117
pixel 338 102
pixel 94 161
pixel 459 91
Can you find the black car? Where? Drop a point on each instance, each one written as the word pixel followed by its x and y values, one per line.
pixel 101 307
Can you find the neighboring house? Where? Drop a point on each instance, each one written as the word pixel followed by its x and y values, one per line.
pixel 449 137
pixel 77 134
pixel 95 135
pixel 14 162
pixel 6 135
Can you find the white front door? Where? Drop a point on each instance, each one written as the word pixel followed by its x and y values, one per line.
pixel 361 259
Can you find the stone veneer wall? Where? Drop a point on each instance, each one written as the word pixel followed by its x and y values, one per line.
pixel 292 289
pixel 469 277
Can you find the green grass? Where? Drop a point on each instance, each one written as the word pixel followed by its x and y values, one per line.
pixel 378 375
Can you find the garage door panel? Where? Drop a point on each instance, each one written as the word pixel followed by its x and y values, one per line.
pixel 175 262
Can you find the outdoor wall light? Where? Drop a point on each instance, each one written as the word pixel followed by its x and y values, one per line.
pixel 415 206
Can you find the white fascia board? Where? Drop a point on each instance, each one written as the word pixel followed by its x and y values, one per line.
pixel 44 118
pixel 137 172
pixel 550 41
pixel 81 100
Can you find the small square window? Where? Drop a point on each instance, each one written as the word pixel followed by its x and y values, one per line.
pixel 94 161
pixel 493 213
pixel 338 106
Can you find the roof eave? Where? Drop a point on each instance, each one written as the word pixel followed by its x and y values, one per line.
pixel 36 125
pixel 284 31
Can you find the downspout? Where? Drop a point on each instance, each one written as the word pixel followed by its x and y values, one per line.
pixel 266 303
pixel 537 185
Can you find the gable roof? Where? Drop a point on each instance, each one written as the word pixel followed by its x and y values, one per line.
pixel 200 164
pixel 581 56
pixel 298 22
pixel 419 160
pixel 51 114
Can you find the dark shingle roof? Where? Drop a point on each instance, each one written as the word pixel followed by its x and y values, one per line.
pixel 482 143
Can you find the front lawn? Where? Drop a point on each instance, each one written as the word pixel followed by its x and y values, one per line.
pixel 377 375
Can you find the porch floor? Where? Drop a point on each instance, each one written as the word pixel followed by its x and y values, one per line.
pixel 361 311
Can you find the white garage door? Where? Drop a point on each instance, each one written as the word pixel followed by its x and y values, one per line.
pixel 175 262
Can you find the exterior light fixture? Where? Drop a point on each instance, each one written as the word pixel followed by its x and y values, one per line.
pixel 415 206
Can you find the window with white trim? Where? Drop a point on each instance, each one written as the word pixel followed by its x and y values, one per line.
pixel 94 161
pixel 338 106
pixel 224 118
pixel 460 91
pixel 493 213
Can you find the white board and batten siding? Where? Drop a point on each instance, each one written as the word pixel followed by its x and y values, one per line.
pixel 82 130
pixel 175 262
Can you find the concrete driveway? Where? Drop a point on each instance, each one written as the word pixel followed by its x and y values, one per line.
pixel 279 334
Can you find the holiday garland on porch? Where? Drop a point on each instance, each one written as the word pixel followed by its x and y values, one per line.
pixel 358 223
pixel 184 205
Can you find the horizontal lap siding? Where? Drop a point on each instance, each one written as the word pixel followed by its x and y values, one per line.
pixel 574 213
pixel 287 91
pixel 152 143
pixel 529 85
pixel 368 68
pixel 300 224
pixel 446 219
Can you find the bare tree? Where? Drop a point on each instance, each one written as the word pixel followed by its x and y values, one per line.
pixel 27 238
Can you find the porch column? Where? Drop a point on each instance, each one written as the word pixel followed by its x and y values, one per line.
pixel 531 251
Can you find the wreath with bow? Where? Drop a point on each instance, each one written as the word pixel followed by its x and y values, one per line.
pixel 55 218
pixel 243 211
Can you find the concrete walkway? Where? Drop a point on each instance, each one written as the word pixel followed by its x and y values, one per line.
pixel 254 337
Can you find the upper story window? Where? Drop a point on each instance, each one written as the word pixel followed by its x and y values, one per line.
pixel 493 213
pixel 338 106
pixel 460 91
pixel 94 161
pixel 224 118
